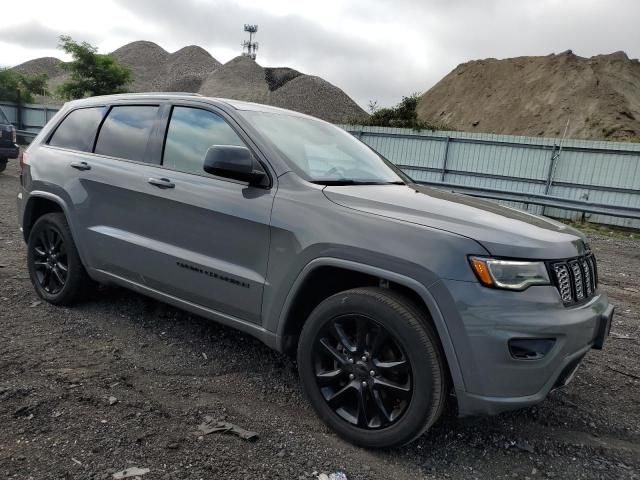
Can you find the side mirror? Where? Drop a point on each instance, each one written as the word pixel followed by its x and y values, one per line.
pixel 233 162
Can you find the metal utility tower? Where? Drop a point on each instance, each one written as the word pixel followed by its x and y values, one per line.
pixel 249 47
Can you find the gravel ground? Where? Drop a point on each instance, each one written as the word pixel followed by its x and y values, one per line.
pixel 122 381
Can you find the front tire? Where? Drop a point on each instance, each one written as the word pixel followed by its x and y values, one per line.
pixel 55 268
pixel 372 367
pixel 3 164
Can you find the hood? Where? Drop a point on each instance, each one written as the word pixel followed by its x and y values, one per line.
pixel 503 231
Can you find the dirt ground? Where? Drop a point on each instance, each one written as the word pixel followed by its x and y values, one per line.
pixel 122 380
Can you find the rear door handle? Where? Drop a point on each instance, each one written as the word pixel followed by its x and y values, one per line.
pixel 80 165
pixel 161 182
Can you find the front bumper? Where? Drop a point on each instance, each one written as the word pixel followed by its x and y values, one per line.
pixel 12 151
pixel 481 321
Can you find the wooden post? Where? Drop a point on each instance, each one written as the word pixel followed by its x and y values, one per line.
pixel 19 110
pixel 443 171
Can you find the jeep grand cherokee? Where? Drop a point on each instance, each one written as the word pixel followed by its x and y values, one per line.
pixel 391 294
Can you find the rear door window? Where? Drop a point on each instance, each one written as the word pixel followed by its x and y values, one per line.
pixel 190 134
pixel 78 129
pixel 125 132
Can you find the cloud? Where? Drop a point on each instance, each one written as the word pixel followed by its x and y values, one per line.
pixel 34 34
pixel 31 34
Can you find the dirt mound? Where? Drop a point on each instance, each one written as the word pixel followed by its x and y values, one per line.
pixel 243 79
pixel 599 96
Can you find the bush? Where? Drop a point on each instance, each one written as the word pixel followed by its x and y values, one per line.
pixel 92 73
pixel 19 87
pixel 403 115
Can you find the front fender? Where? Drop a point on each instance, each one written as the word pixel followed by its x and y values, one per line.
pixel 417 287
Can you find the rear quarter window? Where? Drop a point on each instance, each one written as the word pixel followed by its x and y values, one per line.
pixel 125 132
pixel 78 129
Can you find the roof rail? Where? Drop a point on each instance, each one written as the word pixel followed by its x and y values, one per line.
pixel 141 94
pixel 190 94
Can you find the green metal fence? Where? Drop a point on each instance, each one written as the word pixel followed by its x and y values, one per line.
pixel 571 179
pixel 597 181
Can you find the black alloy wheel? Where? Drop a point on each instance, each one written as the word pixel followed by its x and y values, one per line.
pixel 50 260
pixel 362 372
pixel 371 364
pixel 55 268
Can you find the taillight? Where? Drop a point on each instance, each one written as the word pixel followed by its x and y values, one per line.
pixel 14 137
pixel 22 160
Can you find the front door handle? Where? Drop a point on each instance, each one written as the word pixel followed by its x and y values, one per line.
pixel 161 182
pixel 80 165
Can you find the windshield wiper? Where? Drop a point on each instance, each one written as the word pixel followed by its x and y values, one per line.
pixel 347 181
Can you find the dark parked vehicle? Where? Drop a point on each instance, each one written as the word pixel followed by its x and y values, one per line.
pixel 8 147
pixel 391 294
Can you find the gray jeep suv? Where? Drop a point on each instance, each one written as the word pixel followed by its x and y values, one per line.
pixel 393 295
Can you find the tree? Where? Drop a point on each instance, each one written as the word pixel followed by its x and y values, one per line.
pixel 92 73
pixel 20 87
pixel 403 115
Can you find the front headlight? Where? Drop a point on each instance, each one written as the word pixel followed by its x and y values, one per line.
pixel 509 274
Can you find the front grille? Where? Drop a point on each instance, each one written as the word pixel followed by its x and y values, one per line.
pixel 576 279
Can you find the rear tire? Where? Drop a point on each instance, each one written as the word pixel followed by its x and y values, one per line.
pixel 371 365
pixel 3 164
pixel 55 268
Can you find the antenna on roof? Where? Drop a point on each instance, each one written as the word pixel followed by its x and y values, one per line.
pixel 249 47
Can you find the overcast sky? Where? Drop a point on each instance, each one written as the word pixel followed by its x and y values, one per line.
pixel 372 49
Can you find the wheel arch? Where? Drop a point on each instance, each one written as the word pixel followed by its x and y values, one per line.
pixel 290 325
pixel 40 203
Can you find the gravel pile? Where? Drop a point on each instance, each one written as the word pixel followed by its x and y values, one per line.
pixel 240 79
pixel 243 79
pixel 193 69
pixel 278 76
pixel 145 59
pixel 50 66
pixel 317 97
pixel 185 70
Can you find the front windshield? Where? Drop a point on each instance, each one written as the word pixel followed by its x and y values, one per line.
pixel 321 152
